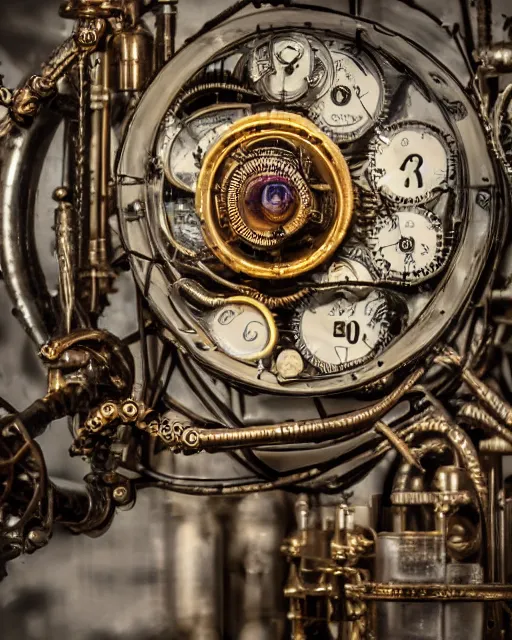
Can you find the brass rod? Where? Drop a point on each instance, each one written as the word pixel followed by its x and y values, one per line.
pixel 196 439
pixel 429 592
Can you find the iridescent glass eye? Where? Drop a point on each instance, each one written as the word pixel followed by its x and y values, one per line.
pixel 271 197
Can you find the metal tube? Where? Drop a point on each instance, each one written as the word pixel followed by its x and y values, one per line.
pixel 166 24
pixel 99 152
pixel 484 22
pixel 21 158
pixel 495 485
pixel 195 438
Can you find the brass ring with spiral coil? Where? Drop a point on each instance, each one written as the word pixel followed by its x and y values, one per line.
pixel 274 196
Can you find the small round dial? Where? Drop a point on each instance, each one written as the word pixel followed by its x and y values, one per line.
pixel 195 136
pixel 242 330
pixel 344 333
pixel 407 245
pixel 184 223
pixel 410 162
pixel 353 102
pixel 289 68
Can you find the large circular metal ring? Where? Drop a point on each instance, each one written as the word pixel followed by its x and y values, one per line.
pixel 265 128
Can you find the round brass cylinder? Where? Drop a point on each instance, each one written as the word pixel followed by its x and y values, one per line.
pixel 132 58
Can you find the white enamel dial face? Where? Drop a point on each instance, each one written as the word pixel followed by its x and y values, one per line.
pixel 239 330
pixel 354 100
pixel 343 333
pixel 411 162
pixel 289 67
pixel 407 245
pixel 191 143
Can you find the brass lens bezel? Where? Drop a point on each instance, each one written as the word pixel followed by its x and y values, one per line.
pixel 303 133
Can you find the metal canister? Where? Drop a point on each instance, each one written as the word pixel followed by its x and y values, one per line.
pixel 132 59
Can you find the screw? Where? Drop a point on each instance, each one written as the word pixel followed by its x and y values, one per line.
pixel 120 494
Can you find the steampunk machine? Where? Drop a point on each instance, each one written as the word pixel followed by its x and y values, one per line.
pixel 314 207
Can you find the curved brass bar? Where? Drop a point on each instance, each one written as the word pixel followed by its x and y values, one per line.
pixel 429 592
pixel 401 447
pixel 194 439
pixel 201 295
pixel 501 409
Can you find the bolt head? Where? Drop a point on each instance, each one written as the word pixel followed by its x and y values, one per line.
pixel 120 494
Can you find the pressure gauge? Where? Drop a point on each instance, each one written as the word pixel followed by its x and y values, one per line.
pixel 242 328
pixel 407 245
pixel 344 333
pixel 195 135
pixel 288 68
pixel 410 162
pixel 355 99
pixel 184 223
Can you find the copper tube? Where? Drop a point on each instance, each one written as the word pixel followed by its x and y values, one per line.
pixel 97 268
pixel 81 186
pixel 65 249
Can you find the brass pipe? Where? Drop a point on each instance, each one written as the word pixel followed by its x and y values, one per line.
pixel 132 63
pixel 166 25
pixel 399 445
pixel 81 186
pixel 477 416
pixel 501 409
pixel 197 439
pixel 96 270
pixel 494 467
pixel 65 248
pixel 429 592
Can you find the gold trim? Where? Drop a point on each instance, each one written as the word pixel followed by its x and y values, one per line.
pixel 273 337
pixel 302 132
